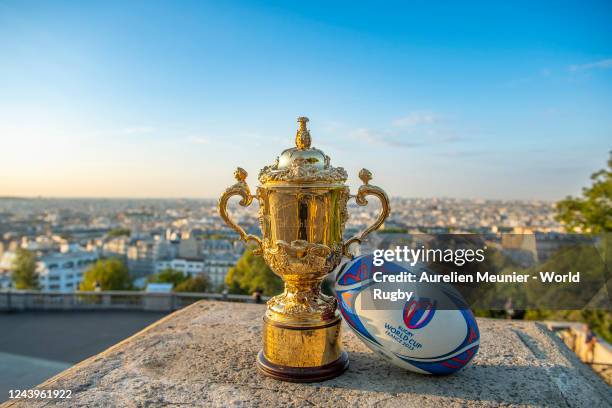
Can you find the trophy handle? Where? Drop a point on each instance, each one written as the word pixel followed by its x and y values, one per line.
pixel 365 190
pixel 242 189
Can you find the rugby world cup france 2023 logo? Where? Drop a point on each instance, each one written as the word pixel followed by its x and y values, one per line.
pixel 418 313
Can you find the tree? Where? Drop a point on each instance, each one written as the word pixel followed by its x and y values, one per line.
pixel 24 270
pixel 168 275
pixel 197 283
pixel 252 273
pixel 119 232
pixel 580 302
pixel 110 274
pixel 593 211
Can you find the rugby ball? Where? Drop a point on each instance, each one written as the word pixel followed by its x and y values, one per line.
pixel 433 332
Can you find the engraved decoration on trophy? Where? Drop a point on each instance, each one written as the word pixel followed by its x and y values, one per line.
pixel 302 213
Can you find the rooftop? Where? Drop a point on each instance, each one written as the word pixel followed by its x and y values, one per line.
pixel 204 355
pixel 67 256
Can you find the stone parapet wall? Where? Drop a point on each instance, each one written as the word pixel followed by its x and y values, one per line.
pixel 204 355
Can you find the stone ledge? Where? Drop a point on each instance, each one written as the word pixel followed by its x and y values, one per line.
pixel 204 355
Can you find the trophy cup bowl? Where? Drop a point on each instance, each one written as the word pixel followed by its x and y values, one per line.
pixel 302 214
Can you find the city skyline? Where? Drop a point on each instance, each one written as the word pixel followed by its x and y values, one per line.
pixel 164 100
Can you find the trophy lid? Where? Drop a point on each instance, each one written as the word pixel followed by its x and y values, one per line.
pixel 302 163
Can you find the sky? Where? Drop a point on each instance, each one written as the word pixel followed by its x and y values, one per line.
pixel 502 100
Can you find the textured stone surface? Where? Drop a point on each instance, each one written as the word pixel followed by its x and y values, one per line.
pixel 204 356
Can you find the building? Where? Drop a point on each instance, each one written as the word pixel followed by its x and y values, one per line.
pixel 115 247
pixel 140 258
pixel 5 280
pixel 521 248
pixel 189 248
pixel 63 271
pixel 187 266
pixel 217 266
pixel 164 249
pixel 548 244
pixel 216 246
pixel 158 288
pixel 7 259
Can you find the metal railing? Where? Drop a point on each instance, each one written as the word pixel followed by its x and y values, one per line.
pixel 16 300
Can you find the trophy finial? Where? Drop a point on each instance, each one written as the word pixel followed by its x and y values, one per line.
pixel 365 175
pixel 302 138
pixel 240 174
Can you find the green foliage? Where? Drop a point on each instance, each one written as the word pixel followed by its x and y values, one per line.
pixel 593 211
pixel 496 314
pixel 490 295
pixel 214 235
pixel 600 321
pixel 24 270
pixel 168 275
pixel 569 294
pixel 119 232
pixel 181 282
pixel 592 282
pixel 110 274
pixel 252 273
pixel 197 283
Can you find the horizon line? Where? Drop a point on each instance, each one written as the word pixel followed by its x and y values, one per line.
pixel 40 197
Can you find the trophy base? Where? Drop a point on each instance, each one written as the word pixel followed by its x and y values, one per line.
pixel 302 353
pixel 303 374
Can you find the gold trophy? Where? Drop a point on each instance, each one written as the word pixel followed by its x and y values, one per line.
pixel 302 213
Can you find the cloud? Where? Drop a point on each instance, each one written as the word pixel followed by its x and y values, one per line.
pixel 384 138
pixel 138 130
pixel 198 140
pixel 333 126
pixel 416 118
pixel 460 153
pixel 517 82
pixel 603 64
pixel 416 129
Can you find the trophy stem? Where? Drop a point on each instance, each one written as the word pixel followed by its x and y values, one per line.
pixel 302 304
pixel 301 334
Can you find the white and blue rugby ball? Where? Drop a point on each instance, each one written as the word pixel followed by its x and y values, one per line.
pixel 417 334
